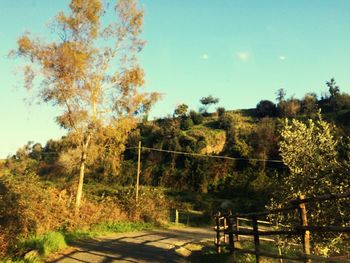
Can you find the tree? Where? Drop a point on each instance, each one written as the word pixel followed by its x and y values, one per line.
pixel 264 139
pixel 186 123
pixel 281 94
pixel 196 117
pixel 333 88
pixel 238 129
pixel 207 101
pixel 310 151
pixel 266 108
pixel 289 108
pixel 337 101
pixel 181 110
pixel 98 101
pixel 221 111
pixel 309 105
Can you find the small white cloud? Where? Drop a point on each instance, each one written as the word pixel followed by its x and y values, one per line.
pixel 282 57
pixel 243 56
pixel 204 56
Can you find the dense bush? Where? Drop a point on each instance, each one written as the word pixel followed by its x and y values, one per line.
pixel 196 117
pixel 266 108
pixel 29 207
pixel 152 203
pixel 186 123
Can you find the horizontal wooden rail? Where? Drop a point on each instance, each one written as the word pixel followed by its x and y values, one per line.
pixel 266 233
pixel 326 229
pixel 296 231
pixel 259 221
pixel 267 212
pixel 326 197
pixel 228 225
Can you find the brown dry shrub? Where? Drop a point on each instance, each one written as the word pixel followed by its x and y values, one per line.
pixel 153 206
pixel 28 206
pixel 4 244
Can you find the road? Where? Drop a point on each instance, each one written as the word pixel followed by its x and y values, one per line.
pixel 163 245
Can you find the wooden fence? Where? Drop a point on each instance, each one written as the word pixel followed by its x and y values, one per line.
pixel 229 230
pixel 185 217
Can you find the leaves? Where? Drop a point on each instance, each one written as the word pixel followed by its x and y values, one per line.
pixel 92 76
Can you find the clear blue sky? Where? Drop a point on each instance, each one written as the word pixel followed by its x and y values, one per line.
pixel 241 51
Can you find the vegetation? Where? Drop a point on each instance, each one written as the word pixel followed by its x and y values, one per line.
pixel 241 160
pixel 98 102
pixel 207 102
pixel 310 154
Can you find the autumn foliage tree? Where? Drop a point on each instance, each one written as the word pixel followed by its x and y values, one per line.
pixel 90 73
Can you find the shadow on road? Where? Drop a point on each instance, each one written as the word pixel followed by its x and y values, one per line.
pixel 151 246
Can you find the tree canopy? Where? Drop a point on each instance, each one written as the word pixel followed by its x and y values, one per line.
pixel 207 101
pixel 90 73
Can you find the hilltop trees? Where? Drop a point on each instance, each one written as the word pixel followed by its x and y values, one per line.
pixel 266 108
pixel 207 102
pixel 337 101
pixel 309 105
pixel 181 110
pixel 90 73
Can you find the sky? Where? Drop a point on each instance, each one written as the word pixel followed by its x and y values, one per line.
pixel 241 51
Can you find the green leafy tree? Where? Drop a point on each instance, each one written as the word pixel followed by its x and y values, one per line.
pixel 186 123
pixel 238 130
pixel 220 111
pixel 310 152
pixel 333 88
pixel 337 100
pixel 281 94
pixel 208 101
pixel 181 110
pixel 90 73
pixel 266 108
pixel 196 117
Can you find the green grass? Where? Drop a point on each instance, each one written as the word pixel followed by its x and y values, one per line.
pixel 37 247
pixel 44 244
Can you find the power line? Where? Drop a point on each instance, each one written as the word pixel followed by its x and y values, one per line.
pixel 187 153
pixel 206 155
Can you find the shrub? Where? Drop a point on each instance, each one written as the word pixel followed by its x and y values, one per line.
pixel 196 117
pixel 186 124
pixel 29 207
pixel 153 205
pixel 221 111
pixel 266 108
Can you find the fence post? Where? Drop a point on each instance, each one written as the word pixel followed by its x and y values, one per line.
pixel 230 232
pixel 218 248
pixel 305 238
pixel 256 239
pixel 225 227
pixel 176 217
pixel 237 227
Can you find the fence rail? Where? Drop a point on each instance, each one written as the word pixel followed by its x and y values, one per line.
pixel 227 227
pixel 182 216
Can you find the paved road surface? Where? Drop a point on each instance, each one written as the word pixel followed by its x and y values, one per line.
pixel 170 245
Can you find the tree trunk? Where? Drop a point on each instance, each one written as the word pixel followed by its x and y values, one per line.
pixel 81 174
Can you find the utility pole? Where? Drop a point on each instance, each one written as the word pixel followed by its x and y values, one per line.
pixel 138 172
